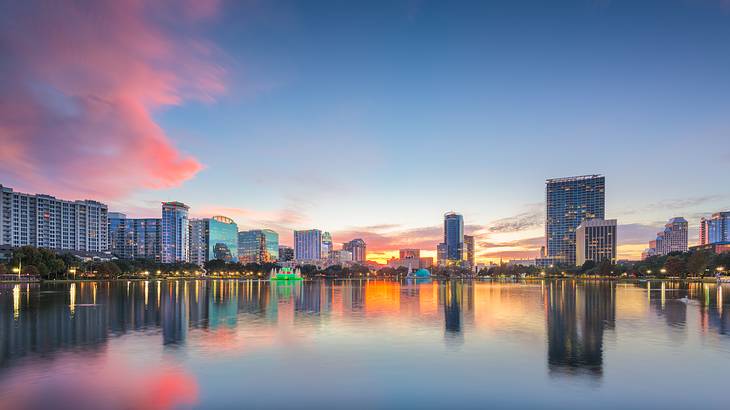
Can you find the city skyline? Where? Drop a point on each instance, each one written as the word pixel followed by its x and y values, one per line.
pixel 285 117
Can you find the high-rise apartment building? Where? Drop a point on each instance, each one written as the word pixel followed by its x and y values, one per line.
pixel 213 238
pixel 570 201
pixel 469 251
pixel 46 222
pixel 175 232
pixel 358 249
pixel 674 237
pixel 596 241
pixel 258 246
pixel 454 237
pixel 308 245
pixel 135 238
pixel 715 229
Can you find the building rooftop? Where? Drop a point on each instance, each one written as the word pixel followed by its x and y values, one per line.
pixel 575 178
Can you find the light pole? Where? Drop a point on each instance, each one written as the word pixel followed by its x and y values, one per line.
pixel 73 272
pixel 19 268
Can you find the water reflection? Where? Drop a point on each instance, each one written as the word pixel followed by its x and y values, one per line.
pixel 572 319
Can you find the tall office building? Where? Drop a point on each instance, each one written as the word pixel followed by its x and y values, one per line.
pixel 673 238
pixel 570 201
pixel 327 245
pixel 213 238
pixel 46 222
pixel 175 232
pixel 286 253
pixel 308 245
pixel 469 251
pixel 258 246
pixel 441 254
pixel 715 229
pixel 454 237
pixel 135 238
pixel 595 241
pixel 358 249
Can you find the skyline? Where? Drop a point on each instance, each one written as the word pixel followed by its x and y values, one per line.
pixel 372 120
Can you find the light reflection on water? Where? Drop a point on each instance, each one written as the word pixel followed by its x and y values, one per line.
pixel 200 344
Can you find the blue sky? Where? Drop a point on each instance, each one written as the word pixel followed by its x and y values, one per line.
pixel 375 118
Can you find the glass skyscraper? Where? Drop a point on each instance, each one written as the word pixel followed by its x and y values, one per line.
pixel 258 246
pixel 570 201
pixel 454 237
pixel 213 238
pixel 715 229
pixel 175 232
pixel 135 238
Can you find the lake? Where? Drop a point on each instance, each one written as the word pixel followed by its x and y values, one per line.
pixel 364 344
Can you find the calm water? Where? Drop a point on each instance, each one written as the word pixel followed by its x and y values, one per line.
pixel 364 344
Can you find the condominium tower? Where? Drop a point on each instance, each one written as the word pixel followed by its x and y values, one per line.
pixel 135 238
pixel 570 201
pixel 175 232
pixel 46 222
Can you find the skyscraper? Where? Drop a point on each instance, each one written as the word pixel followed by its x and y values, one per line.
pixel 175 232
pixel 570 201
pixel 213 238
pixel 46 222
pixel 308 245
pixel 715 229
pixel 358 249
pixel 596 241
pixel 674 237
pixel 454 237
pixel 258 246
pixel 135 238
pixel 469 251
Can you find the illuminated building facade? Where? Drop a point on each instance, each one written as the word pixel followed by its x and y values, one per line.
pixel 596 241
pixel 175 232
pixel 570 201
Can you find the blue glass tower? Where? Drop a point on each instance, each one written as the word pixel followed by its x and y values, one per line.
pixel 454 236
pixel 570 201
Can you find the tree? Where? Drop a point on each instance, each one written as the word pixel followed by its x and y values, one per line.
pixel 587 265
pixel 676 266
pixel 697 263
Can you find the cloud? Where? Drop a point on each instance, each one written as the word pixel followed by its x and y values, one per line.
pixel 79 84
pixel 533 218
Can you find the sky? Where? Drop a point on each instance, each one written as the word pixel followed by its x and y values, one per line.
pixel 372 119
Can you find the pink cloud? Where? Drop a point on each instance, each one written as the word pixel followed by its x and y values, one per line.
pixel 79 84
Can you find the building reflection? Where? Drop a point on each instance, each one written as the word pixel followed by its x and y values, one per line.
pixel 41 319
pixel 577 316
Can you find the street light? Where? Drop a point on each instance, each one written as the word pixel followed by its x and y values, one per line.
pixel 720 269
pixel 73 272
pixel 662 270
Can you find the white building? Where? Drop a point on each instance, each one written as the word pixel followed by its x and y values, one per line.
pixel 46 222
